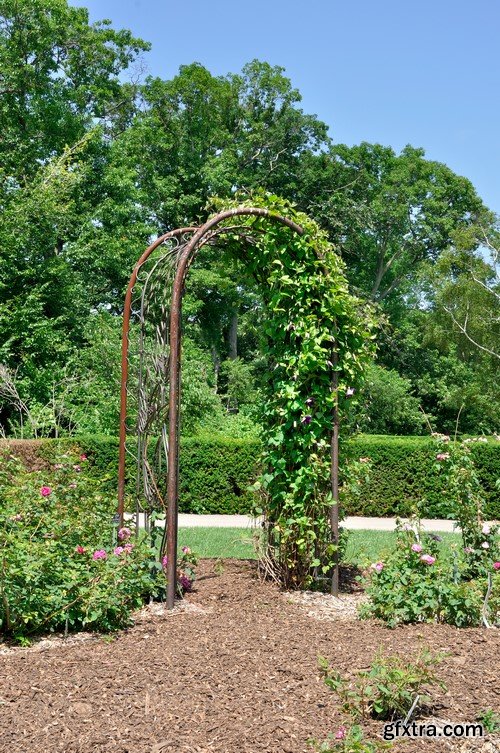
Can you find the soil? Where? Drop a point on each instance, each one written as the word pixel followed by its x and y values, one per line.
pixel 233 669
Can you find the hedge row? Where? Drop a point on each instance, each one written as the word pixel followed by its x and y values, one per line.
pixel 404 472
pixel 215 473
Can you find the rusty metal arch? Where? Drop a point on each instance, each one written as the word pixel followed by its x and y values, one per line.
pixel 186 252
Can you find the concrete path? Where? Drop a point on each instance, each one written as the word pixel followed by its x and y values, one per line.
pixel 352 523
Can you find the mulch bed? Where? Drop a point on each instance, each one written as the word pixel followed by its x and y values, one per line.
pixel 233 670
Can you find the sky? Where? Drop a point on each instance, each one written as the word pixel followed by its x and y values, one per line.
pixel 385 71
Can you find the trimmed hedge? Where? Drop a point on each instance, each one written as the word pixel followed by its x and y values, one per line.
pixel 404 472
pixel 215 472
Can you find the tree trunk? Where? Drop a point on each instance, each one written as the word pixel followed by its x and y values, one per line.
pixel 216 363
pixel 233 336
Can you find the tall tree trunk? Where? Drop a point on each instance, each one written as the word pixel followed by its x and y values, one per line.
pixel 233 336
pixel 216 363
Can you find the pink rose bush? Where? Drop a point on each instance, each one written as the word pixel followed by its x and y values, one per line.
pixel 419 581
pixel 57 530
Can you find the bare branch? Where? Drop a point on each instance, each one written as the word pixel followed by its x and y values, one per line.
pixel 463 330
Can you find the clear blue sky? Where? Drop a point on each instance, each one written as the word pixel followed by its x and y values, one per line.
pixel 386 71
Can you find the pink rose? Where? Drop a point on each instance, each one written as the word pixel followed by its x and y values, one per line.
pixel 128 548
pixel 118 550
pixel 77 468
pixel 99 554
pixel 341 733
pixel 81 550
pixel 496 566
pixel 377 566
pixel 443 456
pixel 124 533
pixel 164 562
pixel 83 458
pixel 186 550
pixel 428 559
pixel 45 491
pixel 486 529
pixel 416 547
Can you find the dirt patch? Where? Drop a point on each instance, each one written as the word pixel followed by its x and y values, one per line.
pixel 28 451
pixel 325 607
pixel 234 670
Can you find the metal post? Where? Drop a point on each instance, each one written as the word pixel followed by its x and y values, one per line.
pixel 334 475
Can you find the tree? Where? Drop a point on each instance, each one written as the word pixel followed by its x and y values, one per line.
pixel 58 72
pixel 466 287
pixel 59 79
pixel 387 213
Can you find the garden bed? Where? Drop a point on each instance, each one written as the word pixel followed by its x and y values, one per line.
pixel 235 674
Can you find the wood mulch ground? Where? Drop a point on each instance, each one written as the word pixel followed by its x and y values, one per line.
pixel 233 670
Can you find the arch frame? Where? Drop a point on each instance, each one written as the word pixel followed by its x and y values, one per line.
pixel 188 251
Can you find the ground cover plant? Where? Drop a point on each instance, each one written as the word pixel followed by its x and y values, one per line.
pixel 350 739
pixel 391 688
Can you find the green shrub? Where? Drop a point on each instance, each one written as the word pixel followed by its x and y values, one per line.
pixel 403 474
pixel 62 563
pixel 216 471
pixel 389 689
pixel 215 475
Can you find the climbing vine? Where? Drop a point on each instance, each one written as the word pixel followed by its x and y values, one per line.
pixel 313 327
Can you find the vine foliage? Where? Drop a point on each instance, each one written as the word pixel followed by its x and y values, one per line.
pixel 313 329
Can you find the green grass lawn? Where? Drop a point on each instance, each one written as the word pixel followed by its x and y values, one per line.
pixel 221 543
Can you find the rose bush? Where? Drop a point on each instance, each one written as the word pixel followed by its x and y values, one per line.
pixel 63 564
pixel 419 582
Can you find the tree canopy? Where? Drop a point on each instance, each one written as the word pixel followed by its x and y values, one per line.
pixel 95 161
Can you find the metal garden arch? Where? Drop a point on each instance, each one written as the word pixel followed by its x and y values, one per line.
pixel 158 356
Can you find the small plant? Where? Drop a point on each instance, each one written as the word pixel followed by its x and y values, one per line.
pixel 391 688
pixel 186 575
pixel 350 740
pixel 489 720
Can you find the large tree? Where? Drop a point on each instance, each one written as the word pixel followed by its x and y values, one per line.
pixel 58 72
pixel 388 213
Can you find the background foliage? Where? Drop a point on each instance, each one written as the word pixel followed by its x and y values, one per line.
pixel 96 159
